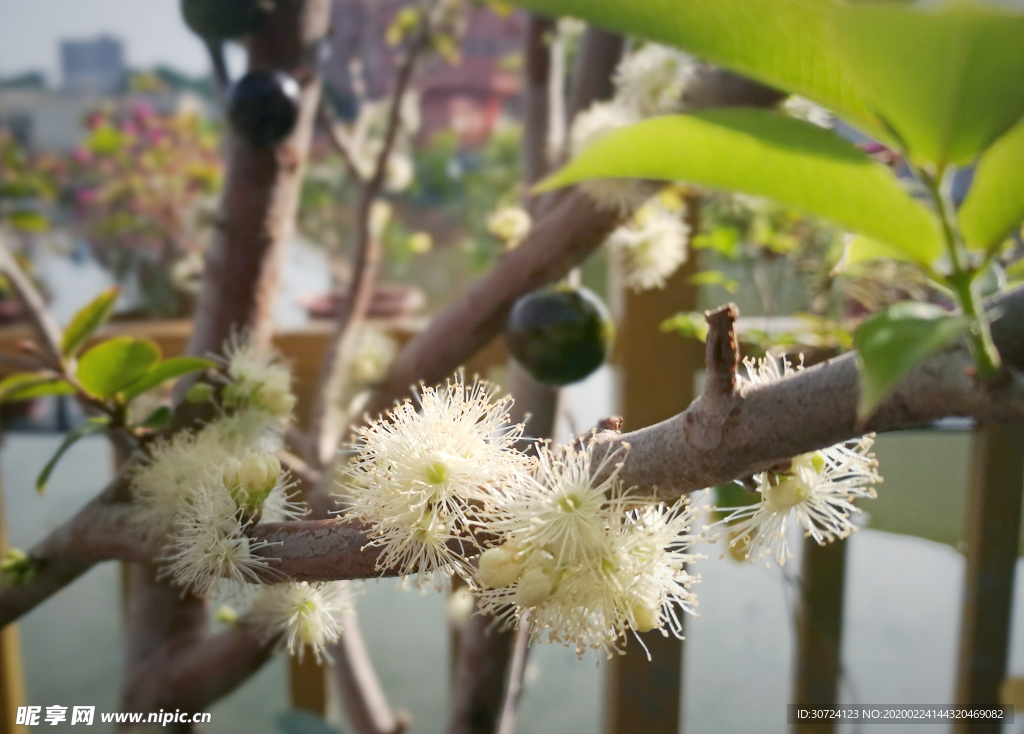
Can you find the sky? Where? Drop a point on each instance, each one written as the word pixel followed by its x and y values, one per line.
pixel 152 31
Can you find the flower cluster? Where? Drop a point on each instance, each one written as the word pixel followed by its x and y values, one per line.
pixel 586 562
pixel 510 224
pixel 817 491
pixel 259 382
pixel 200 494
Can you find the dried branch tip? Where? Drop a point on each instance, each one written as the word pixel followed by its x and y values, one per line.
pixel 722 356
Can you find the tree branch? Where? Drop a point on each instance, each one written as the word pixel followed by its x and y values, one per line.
pixel 725 435
pixel 354 307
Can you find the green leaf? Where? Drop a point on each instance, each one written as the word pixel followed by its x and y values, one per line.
pixel 90 318
pixel 93 425
pixel 948 80
pixel 766 154
pixel 159 418
pixel 105 140
pixel 27 385
pixel 166 370
pixel 113 365
pixel 689 325
pixel 783 43
pixel 714 277
pixel 892 342
pixel 995 203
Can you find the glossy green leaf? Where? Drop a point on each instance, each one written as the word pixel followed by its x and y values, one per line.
pixel 995 203
pixel 892 342
pixel 28 385
pixel 169 369
pixel 93 425
pixel 113 365
pixel 88 319
pixel 948 79
pixel 767 154
pixel 783 43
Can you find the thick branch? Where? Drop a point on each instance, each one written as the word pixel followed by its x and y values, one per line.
pixel 726 436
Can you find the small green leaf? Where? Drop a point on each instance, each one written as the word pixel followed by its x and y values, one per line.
pixel 159 418
pixel 892 342
pixel 995 203
pixel 764 153
pixel 690 325
pixel 88 319
pixel 166 370
pixel 714 277
pixel 93 425
pixel 113 365
pixel 948 78
pixel 27 385
pixel 105 140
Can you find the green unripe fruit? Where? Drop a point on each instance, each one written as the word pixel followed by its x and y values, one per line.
pixel 559 335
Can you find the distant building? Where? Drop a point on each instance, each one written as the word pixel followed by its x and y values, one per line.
pixel 467 97
pixel 93 66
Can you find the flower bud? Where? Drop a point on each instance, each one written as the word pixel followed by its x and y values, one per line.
pixel 645 617
pixel 535 586
pixel 199 392
pixel 499 567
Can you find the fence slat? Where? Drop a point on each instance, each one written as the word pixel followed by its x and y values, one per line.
pixel 819 630
pixel 991 536
pixel 656 376
pixel 12 672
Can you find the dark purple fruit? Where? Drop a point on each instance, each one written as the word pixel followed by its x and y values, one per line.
pixel 263 107
pixel 223 19
pixel 560 335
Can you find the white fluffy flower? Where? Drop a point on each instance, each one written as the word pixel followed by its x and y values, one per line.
pixel 301 614
pixel 210 542
pixel 427 470
pixel 588 569
pixel 259 380
pixel 817 491
pixel 589 126
pixel 650 246
pixel 510 224
pixel 652 79
pixel 374 353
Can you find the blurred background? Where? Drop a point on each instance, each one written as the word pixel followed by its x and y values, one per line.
pixel 109 116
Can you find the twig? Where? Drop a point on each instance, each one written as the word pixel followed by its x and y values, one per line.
pixel 722 355
pixel 342 145
pixel 362 696
pixel 47 331
pixel 353 308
